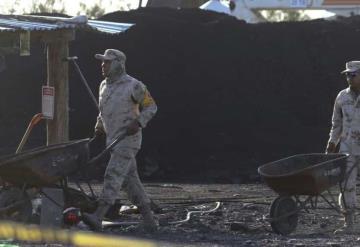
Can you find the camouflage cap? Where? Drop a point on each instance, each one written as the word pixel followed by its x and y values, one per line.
pixel 351 66
pixel 111 54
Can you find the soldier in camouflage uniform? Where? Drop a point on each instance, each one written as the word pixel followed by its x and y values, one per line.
pixel 346 131
pixel 125 106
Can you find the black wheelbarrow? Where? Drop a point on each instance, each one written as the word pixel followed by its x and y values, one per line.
pixel 308 175
pixel 24 175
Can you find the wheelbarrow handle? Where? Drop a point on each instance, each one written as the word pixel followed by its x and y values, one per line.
pixel 107 149
pixel 35 120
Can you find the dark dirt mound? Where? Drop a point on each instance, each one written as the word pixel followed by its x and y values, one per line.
pixel 231 95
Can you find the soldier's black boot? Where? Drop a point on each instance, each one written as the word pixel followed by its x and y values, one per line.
pixel 149 223
pixel 155 207
pixel 94 220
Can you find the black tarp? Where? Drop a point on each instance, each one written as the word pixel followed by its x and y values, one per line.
pixel 231 95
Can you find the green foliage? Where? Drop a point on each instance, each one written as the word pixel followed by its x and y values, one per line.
pixel 284 15
pixel 58 6
pixel 14 7
pixel 94 11
pixel 49 6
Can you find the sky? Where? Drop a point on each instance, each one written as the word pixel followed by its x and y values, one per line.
pixel 72 7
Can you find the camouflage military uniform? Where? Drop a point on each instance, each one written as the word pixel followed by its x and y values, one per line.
pixel 120 101
pixel 125 107
pixel 346 130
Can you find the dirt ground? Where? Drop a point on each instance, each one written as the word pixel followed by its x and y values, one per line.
pixel 233 215
pixel 240 219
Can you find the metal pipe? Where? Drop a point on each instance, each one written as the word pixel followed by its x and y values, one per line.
pixel 83 80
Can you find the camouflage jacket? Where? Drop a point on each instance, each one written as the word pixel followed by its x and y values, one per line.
pixel 346 122
pixel 120 102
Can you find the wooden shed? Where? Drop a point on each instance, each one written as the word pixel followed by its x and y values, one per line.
pixel 18 32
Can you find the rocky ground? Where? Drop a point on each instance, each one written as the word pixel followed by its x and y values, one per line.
pixel 236 215
pixel 240 219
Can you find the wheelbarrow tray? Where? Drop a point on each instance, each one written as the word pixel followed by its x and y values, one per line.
pixel 304 174
pixel 44 166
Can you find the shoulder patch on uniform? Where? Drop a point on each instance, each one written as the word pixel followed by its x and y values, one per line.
pixel 148 100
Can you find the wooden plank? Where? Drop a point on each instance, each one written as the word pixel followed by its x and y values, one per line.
pixel 58 77
pixel 53 36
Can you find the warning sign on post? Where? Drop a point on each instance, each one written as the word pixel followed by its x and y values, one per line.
pixel 48 99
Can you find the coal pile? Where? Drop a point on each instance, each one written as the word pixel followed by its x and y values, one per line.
pixel 231 96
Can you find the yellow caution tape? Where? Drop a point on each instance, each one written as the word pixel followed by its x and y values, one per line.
pixel 35 233
pixel 93 240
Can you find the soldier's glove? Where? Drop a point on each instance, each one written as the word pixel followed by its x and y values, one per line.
pixel 331 148
pixel 99 132
pixel 99 136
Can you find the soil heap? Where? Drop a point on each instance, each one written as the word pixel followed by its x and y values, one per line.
pixel 231 96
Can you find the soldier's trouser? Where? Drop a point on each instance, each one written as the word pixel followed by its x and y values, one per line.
pixel 121 172
pixel 349 184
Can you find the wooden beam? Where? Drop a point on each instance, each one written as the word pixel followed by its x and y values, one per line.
pixel 53 36
pixel 58 77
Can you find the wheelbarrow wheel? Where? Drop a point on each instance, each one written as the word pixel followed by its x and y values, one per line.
pixel 17 204
pixel 282 220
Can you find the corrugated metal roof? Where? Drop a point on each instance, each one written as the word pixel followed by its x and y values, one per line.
pixel 109 27
pixel 13 23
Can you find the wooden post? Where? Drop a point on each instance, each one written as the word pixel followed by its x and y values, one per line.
pixel 58 77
